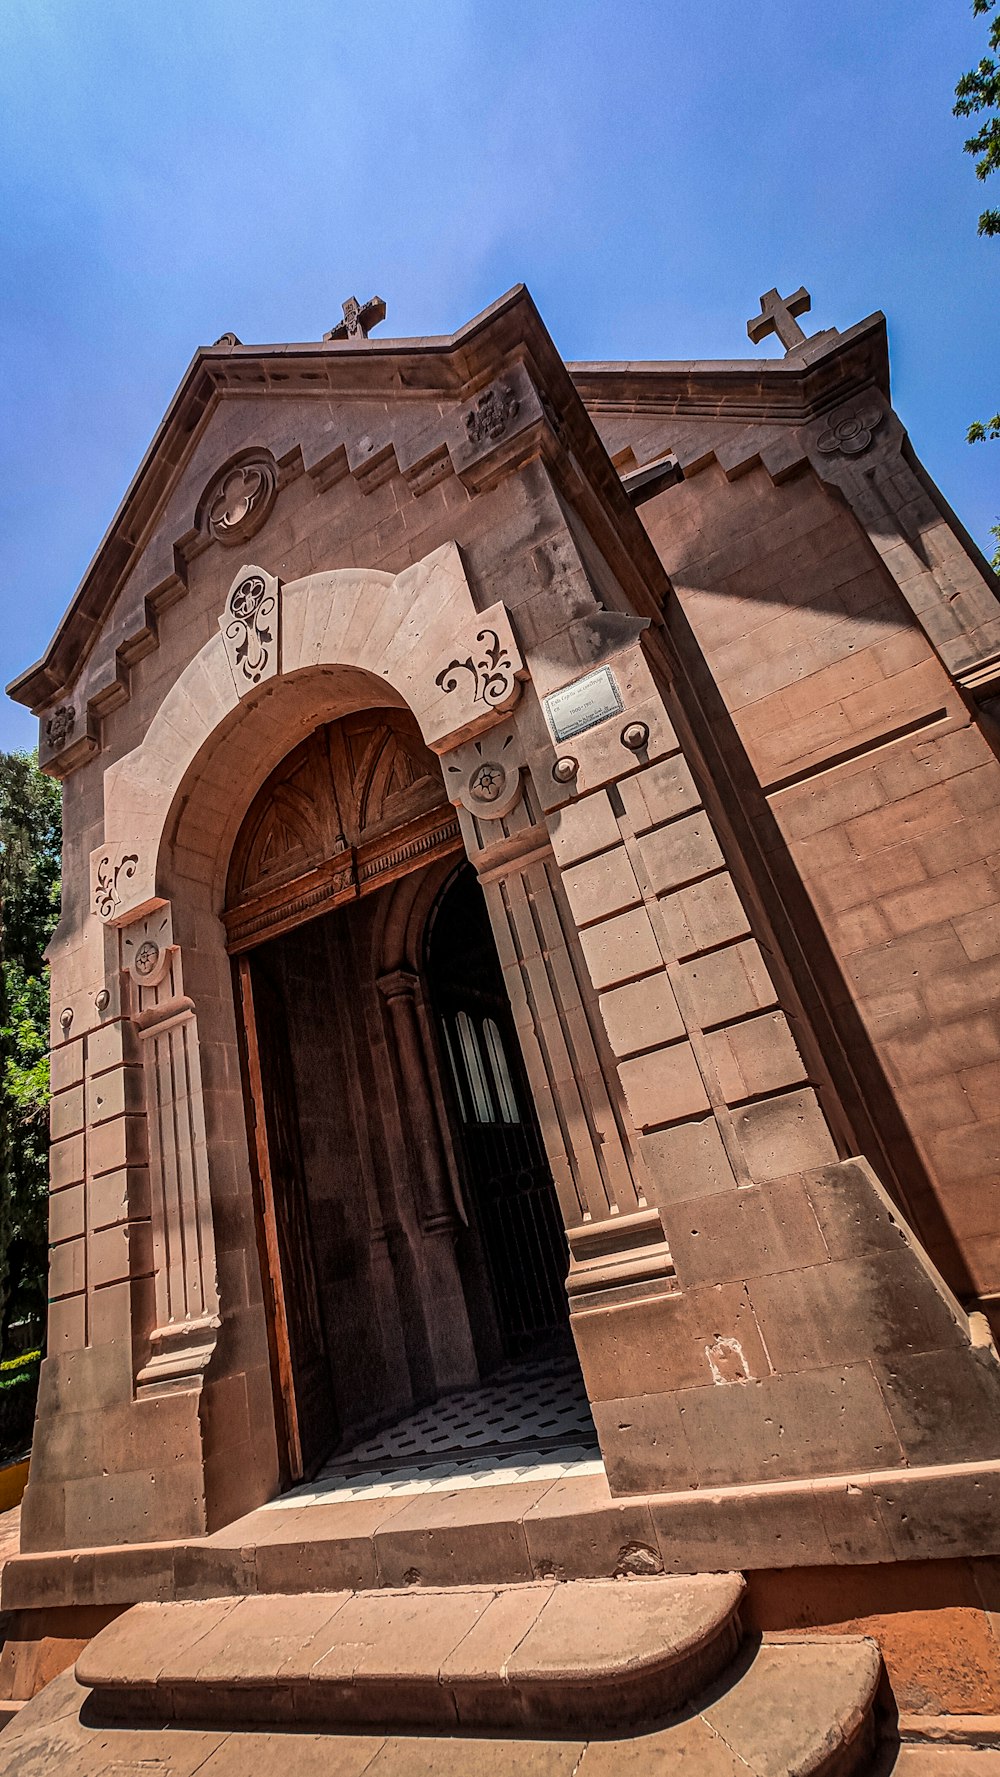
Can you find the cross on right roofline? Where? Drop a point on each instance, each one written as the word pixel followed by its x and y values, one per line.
pixel 777 315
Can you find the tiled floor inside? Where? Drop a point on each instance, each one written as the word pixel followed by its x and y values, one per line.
pixel 529 1422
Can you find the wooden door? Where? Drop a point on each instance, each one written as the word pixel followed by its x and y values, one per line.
pixel 299 1347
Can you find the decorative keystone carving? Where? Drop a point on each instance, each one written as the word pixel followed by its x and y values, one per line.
pixel 250 627
pixel 493 412
pixel 484 777
pixel 60 726
pixel 241 498
pixel 849 432
pixel 112 868
pixel 146 947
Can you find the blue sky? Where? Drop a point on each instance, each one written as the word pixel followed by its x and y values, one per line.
pixel 173 169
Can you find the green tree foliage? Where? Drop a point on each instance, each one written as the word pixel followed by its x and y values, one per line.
pixel 978 93
pixel 30 842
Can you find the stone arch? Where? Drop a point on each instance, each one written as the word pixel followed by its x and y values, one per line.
pixel 402 919
pixel 323 647
pixel 405 633
pixel 332 644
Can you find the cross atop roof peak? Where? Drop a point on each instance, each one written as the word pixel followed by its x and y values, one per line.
pixel 359 319
pixel 777 315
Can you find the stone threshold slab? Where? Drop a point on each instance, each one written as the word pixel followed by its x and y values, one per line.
pixel 564 1530
pixel 581 1657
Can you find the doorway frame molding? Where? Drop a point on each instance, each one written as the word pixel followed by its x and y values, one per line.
pixel 324 646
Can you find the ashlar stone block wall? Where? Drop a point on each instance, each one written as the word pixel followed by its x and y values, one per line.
pixel 744 1296
pixel 840 681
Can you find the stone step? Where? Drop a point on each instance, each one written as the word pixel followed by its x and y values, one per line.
pixel 577 1656
pixel 928 1759
pixel 789 1709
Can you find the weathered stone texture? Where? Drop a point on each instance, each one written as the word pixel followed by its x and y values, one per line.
pixel 747 915
pixel 879 791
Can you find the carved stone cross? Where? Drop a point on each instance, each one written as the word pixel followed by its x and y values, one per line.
pixel 777 315
pixel 359 319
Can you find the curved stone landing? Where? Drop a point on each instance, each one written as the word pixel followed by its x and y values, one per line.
pixel 587 1656
pixel 791 1709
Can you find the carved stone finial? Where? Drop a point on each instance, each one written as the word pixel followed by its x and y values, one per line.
pixel 359 319
pixel 490 417
pixel 228 339
pixel 60 726
pixel 777 315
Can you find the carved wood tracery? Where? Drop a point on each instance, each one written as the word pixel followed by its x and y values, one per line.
pixel 361 801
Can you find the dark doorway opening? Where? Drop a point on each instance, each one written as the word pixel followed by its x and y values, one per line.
pixel 507 1186
pixel 411 1240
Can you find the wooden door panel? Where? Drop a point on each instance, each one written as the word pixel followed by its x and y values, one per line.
pixel 301 1348
pixel 360 801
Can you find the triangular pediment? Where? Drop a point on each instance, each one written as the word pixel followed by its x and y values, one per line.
pixel 240 409
pixel 247 421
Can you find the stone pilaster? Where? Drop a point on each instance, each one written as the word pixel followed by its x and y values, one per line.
pixel 187 1297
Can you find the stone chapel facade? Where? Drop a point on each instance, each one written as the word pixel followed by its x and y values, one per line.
pixel 442 725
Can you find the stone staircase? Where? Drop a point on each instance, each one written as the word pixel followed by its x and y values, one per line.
pixel 581 1657
pixel 587 1678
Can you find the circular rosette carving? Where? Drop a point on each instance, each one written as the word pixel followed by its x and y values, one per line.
pixel 146 948
pixel 849 432
pixel 240 498
pixel 485 777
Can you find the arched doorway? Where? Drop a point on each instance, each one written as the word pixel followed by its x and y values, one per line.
pixel 409 1235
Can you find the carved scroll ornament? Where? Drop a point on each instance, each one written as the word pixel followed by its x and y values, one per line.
pixel 490 669
pixel 112 869
pixel 250 627
pixel 472 686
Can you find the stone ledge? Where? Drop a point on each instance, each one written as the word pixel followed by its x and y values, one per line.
pixel 571 1529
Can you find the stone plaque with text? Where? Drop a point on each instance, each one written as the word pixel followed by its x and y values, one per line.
pixel 584 704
